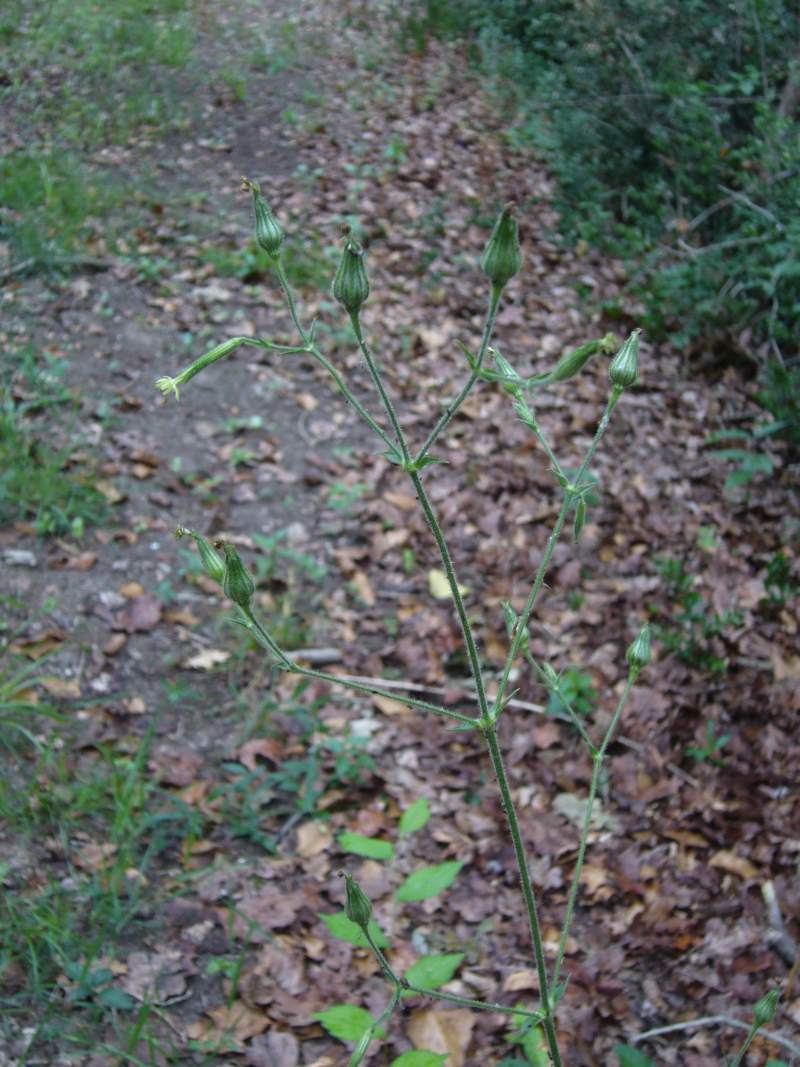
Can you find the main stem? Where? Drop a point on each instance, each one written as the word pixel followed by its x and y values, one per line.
pixel 458 600
pixel 490 733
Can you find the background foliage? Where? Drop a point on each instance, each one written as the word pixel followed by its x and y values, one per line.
pixel 672 131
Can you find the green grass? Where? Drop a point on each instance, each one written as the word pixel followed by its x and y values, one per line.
pixel 37 482
pixel 53 205
pixel 90 73
pixel 64 914
pixel 307 265
pixel 80 75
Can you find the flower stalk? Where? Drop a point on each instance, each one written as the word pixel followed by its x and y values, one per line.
pixel 500 262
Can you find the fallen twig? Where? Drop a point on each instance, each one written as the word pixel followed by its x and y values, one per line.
pixel 778 937
pixel 716 1020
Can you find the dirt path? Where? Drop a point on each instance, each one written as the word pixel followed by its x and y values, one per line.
pixel 226 943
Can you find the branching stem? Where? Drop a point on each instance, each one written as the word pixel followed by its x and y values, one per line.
pixel 451 409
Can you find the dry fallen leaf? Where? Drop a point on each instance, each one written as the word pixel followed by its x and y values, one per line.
pixel 269 748
pixel 442 1031
pixel 729 861
pixel 238 1022
pixel 41 645
pixel 439 587
pixel 518 980
pixel 67 689
pixel 207 659
pixel 312 838
pixel 390 707
pixel 130 590
pixel 363 588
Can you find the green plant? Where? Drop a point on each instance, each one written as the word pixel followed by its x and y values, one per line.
pixel 712 746
pixel 19 704
pixel 690 630
pixel 749 463
pixel 36 480
pixel 500 262
pixel 342 497
pixel 573 688
pixel 780 582
pixel 321 760
pixel 672 132
pixel 780 396
pixel 58 930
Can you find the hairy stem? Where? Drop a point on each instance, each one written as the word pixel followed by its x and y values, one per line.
pixel 458 600
pixel 451 409
pixel 371 690
pixel 378 381
pixel 348 395
pixel 287 292
pixel 522 623
pixel 597 761
pixel 548 1021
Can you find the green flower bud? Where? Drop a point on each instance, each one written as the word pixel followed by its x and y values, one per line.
pixel 269 234
pixel 764 1010
pixel 358 908
pixel 350 286
pixel 569 365
pixel 237 582
pixel 211 560
pixel 638 654
pixel 510 380
pixel 502 258
pixel 580 520
pixel 624 367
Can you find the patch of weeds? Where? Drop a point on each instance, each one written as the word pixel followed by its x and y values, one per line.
pixel 106 821
pixel 713 743
pixel 19 701
pixel 37 482
pixel 307 266
pixel 780 396
pixel 318 760
pixel 93 73
pixel 235 81
pixel 343 497
pixel 280 50
pixel 781 583
pixel 748 461
pixel 574 689
pixel 51 204
pixel 690 628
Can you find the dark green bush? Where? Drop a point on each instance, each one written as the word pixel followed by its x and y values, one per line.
pixel 672 131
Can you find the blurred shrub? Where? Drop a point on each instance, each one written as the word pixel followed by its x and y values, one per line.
pixel 672 131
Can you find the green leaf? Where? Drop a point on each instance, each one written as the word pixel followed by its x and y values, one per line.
pixel 345 1021
pixel 420 1057
pixel 340 927
pixel 415 817
pixel 430 972
pixel 429 881
pixel 632 1057
pixel 116 998
pixel 534 1047
pixel 371 847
